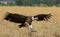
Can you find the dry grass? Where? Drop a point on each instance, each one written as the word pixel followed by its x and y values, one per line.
pixel 49 28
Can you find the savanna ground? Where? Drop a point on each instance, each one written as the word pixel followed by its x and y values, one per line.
pixel 50 28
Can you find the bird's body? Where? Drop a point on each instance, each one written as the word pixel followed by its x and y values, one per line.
pixel 26 20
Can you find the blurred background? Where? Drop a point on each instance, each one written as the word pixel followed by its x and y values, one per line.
pixel 50 28
pixel 29 2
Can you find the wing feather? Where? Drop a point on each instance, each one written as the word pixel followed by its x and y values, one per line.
pixel 42 17
pixel 17 18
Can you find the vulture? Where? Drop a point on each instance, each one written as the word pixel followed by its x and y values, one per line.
pixel 25 21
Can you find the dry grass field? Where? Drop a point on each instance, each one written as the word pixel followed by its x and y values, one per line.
pixel 50 28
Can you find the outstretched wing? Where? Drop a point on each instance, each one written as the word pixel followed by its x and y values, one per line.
pixel 41 17
pixel 17 18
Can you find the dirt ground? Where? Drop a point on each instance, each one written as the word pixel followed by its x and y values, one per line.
pixel 50 28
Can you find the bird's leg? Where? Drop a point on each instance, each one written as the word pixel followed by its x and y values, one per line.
pixel 29 27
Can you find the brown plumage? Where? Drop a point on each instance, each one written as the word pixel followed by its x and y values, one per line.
pixel 18 18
